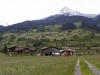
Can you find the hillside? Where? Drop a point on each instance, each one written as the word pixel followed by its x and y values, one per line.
pixel 1 27
pixel 52 20
pixel 52 36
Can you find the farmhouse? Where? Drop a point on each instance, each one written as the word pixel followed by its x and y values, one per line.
pixel 49 51
pixel 20 50
pixel 67 52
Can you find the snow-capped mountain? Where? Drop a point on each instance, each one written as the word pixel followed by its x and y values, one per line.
pixel 67 12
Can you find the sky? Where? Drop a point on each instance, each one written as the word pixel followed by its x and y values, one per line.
pixel 15 11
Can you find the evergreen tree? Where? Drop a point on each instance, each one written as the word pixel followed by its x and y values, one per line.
pixel 41 28
pixel 1 36
pixel 55 39
pixel 67 26
pixel 92 35
pixel 5 49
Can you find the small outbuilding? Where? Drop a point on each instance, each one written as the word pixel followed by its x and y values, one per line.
pixel 49 51
pixel 67 52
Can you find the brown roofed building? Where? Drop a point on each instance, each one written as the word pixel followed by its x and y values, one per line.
pixel 67 52
pixel 30 50
pixel 20 50
pixel 12 49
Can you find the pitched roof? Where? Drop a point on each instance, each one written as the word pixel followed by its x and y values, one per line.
pixel 18 49
pixel 31 48
pixel 49 47
pixel 12 49
pixel 69 49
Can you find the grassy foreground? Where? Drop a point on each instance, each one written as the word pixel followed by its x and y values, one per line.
pixel 95 60
pixel 85 69
pixel 37 65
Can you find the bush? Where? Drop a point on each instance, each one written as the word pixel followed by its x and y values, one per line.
pixel 95 45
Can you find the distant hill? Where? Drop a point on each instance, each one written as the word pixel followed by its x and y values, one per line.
pixel 1 27
pixel 51 20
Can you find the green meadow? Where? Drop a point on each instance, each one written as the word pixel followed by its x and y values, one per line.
pixel 37 65
pixel 46 65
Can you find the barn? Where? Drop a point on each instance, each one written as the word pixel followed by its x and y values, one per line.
pixel 49 51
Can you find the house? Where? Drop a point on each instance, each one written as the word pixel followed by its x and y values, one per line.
pixel 49 51
pixel 67 52
pixel 21 50
pixel 64 34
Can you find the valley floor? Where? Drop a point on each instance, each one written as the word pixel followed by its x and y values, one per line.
pixel 83 67
pixel 50 65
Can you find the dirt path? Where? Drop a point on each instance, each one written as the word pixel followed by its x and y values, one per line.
pixel 94 69
pixel 77 69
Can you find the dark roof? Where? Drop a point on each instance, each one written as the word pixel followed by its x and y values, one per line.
pixel 31 48
pixel 49 47
pixel 12 49
pixel 18 49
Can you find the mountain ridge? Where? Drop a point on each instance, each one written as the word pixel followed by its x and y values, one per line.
pixel 53 20
pixel 66 11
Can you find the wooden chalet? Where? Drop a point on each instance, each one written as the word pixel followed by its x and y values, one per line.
pixel 67 52
pixel 21 50
pixel 49 51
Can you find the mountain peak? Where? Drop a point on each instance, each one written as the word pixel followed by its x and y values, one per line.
pixel 65 9
pixel 67 12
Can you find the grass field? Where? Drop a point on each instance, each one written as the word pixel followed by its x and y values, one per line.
pixel 85 69
pixel 37 65
pixel 83 37
pixel 46 65
pixel 95 60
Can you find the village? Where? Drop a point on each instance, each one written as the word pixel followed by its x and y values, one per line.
pixel 45 51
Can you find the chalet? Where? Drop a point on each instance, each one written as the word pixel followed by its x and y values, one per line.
pixel 67 52
pixel 49 51
pixel 20 50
